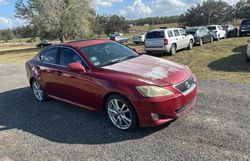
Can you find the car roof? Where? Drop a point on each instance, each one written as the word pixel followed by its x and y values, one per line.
pixel 164 29
pixel 84 42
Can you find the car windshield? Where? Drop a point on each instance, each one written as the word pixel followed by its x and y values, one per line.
pixel 191 30
pixel 211 27
pixel 246 22
pixel 225 26
pixel 155 34
pixel 108 53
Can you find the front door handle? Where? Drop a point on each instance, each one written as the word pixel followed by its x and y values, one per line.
pixel 37 68
pixel 59 73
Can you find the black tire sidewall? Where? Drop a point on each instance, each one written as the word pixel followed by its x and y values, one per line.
pixel 134 123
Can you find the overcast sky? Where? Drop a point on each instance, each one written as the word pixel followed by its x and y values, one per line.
pixel 131 9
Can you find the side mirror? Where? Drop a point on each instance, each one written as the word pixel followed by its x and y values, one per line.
pixel 76 68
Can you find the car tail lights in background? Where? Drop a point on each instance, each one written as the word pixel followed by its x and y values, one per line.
pixel 165 41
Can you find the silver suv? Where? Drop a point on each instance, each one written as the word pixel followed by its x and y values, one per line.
pixel 168 40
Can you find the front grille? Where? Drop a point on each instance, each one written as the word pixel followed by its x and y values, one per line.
pixel 186 85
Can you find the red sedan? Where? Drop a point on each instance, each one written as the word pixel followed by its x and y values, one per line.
pixel 102 75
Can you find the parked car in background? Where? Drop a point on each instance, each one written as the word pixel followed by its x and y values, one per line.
pixel 118 37
pixel 106 76
pixel 245 27
pixel 168 40
pixel 43 43
pixel 201 34
pixel 248 51
pixel 139 38
pixel 218 31
pixel 231 30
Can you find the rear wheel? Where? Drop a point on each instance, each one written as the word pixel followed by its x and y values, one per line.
pixel 121 113
pixel 173 49
pixel 38 92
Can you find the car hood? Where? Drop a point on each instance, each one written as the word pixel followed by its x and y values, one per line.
pixel 150 70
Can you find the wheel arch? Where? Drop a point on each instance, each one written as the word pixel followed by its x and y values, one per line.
pixel 107 95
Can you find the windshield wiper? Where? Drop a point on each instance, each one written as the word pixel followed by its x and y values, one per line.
pixel 119 60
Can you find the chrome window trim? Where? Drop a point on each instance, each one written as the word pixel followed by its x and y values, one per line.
pixel 59 56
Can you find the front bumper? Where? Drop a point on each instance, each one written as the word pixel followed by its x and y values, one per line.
pixel 245 30
pixel 168 108
pixel 165 48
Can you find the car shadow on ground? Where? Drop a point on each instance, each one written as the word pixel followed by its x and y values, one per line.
pixel 60 122
pixel 232 63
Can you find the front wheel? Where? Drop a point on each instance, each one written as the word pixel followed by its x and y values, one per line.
pixel 201 42
pixel 38 92
pixel 247 59
pixel 212 39
pixel 121 113
pixel 191 44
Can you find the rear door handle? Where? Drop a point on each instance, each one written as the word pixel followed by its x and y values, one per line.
pixel 59 73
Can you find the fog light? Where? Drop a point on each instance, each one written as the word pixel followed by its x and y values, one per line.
pixel 155 116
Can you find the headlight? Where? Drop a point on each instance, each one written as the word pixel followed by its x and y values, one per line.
pixel 153 91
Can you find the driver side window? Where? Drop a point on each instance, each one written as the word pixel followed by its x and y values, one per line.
pixel 68 56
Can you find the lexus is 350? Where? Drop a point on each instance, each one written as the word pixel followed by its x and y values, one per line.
pixel 105 76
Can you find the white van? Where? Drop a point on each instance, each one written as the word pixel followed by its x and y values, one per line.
pixel 168 40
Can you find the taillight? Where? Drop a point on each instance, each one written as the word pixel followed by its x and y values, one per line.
pixel 165 41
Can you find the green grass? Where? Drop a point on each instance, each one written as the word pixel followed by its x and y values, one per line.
pixel 17 54
pixel 223 60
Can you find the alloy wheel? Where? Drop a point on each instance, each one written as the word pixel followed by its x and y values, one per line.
pixel 119 113
pixel 201 42
pixel 190 44
pixel 173 50
pixel 37 91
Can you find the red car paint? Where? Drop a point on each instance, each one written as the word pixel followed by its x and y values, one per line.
pixel 91 88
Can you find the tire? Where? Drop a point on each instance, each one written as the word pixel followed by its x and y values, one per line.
pixel 201 42
pixel 211 39
pixel 247 59
pixel 38 92
pixel 191 45
pixel 173 49
pixel 241 34
pixel 121 113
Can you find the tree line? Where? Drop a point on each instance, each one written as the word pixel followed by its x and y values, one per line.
pixel 215 12
pixel 74 19
pixel 155 20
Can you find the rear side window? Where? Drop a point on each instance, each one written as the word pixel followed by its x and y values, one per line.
pixel 245 22
pixel 68 56
pixel 183 32
pixel 49 56
pixel 155 34
pixel 211 27
pixel 170 33
pixel 176 33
